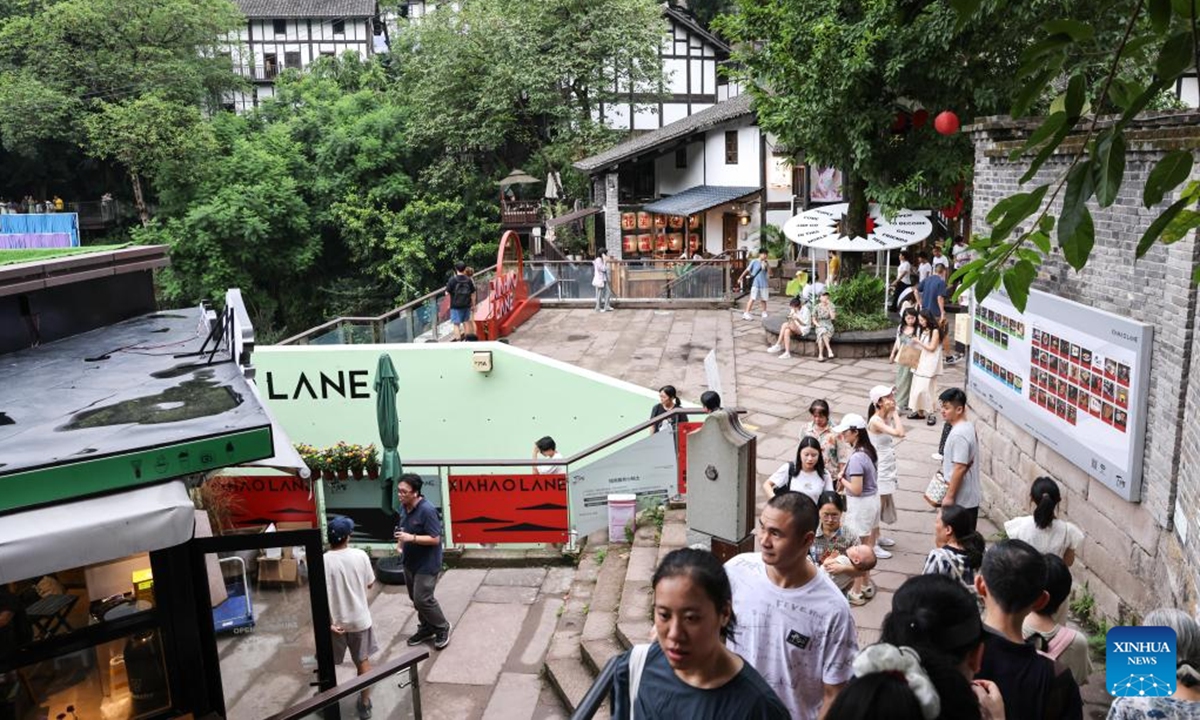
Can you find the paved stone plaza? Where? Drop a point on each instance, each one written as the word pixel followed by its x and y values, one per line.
pixel 503 619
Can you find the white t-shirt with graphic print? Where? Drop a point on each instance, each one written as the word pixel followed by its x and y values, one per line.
pixel 798 639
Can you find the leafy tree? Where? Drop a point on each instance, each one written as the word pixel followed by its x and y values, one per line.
pixel 89 72
pixel 829 77
pixel 1087 70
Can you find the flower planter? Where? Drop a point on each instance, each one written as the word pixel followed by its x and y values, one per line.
pixel 373 473
pixel 343 475
pixel 316 475
pixel 357 473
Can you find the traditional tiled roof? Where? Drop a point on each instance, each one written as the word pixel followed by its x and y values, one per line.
pixel 699 198
pixel 307 8
pixel 706 119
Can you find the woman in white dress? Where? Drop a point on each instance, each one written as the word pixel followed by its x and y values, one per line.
pixel 924 386
pixel 884 428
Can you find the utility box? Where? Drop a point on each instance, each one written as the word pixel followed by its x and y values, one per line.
pixel 721 478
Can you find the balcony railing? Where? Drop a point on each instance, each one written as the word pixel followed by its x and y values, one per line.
pixel 395 691
pixel 427 319
pixel 520 213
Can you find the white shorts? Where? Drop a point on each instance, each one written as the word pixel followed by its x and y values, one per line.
pixel 862 514
pixel 759 293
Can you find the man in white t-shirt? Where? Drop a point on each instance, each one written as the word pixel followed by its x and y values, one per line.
pixel 924 268
pixel 793 624
pixel 348 574
pixel 547 449
pixel 939 258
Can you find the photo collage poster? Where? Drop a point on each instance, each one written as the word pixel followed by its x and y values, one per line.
pixel 1059 372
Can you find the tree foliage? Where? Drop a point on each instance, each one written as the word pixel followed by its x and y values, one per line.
pixel 1089 72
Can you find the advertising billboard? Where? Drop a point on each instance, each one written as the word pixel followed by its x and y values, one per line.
pixel 1075 377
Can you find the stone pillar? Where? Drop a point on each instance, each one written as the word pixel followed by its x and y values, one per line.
pixel 606 192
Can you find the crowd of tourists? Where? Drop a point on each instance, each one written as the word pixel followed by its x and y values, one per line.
pixel 30 205
pixel 981 633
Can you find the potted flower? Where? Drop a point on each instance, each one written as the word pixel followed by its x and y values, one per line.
pixel 339 460
pixel 312 458
pixel 371 461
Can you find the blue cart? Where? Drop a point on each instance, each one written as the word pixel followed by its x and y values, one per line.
pixel 237 611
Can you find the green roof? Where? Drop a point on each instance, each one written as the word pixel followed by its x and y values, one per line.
pixel 8 257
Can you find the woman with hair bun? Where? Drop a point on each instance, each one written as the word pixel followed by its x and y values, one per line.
pixel 1043 530
pixel 959 550
pixel 1184 704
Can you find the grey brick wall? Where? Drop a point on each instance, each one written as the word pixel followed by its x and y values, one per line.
pixel 1133 558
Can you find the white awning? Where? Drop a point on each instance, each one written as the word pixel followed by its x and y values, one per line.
pixel 105 528
pixel 818 228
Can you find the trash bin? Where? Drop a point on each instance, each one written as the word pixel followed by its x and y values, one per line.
pixel 621 511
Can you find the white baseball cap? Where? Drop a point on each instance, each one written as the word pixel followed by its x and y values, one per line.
pixel 851 421
pixel 879 392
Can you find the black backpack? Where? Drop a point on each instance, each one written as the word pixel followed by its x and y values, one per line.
pixel 460 295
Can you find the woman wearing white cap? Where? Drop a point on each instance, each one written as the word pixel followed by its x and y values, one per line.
pixel 884 428
pixel 862 494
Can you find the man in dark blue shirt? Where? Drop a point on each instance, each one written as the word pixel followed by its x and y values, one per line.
pixel 419 537
pixel 933 293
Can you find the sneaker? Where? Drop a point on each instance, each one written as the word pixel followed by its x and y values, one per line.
pixel 785 354
pixel 931 421
pixel 420 636
pixel 746 316
pixel 442 638
pixel 855 599
pixel 886 542
pixel 882 554
pixel 764 316
pixel 951 360
pixel 936 456
pixel 775 348
pixel 868 592
pixel 364 710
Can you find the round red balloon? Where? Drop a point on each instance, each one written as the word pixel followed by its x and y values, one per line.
pixel 920 117
pixel 946 123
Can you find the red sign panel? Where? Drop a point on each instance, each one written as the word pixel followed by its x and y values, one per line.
pixel 684 428
pixel 508 508
pixel 265 499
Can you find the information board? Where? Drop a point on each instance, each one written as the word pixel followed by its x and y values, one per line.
pixel 1075 377
pixel 648 469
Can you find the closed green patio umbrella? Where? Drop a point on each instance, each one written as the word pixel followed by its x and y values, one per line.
pixel 386 385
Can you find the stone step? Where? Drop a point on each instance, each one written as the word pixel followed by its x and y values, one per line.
pixel 599 643
pixel 634 620
pixel 564 666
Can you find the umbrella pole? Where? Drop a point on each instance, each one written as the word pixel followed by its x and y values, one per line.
pixel 887 275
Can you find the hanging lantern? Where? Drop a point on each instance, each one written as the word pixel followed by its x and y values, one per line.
pixel 946 123
pixel 920 117
pixel 900 123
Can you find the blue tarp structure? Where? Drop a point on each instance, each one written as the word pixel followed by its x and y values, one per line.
pixel 48 223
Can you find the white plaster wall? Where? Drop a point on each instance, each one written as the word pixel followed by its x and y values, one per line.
pixel 746 171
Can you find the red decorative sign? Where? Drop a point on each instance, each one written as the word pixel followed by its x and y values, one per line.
pixel 508 304
pixel 508 508
pixel 684 428
pixel 266 499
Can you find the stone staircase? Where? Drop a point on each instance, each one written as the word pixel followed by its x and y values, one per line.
pixel 609 606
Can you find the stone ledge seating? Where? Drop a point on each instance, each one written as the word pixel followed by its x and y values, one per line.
pixel 855 344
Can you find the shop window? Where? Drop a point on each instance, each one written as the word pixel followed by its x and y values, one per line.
pixel 122 678
pixel 731 147
pixel 117 677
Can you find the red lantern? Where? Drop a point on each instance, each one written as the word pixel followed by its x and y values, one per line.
pixel 920 117
pixel 900 124
pixel 946 123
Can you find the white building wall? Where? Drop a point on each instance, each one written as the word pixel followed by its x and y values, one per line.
pixel 746 171
pixel 671 180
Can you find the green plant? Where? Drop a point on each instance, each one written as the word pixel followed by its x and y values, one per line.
pixel 860 295
pixel 1083 606
pixel 774 241
pixel 600 555
pixel 849 321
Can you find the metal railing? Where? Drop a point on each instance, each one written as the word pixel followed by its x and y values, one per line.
pixel 597 693
pixel 327 705
pixel 427 319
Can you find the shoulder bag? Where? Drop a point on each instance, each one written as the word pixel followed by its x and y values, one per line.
pixel 909 355
pixel 637 663
pixel 938 485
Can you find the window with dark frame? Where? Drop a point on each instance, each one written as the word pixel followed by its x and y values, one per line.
pixel 291 59
pixel 339 27
pixel 681 158
pixel 280 27
pixel 731 147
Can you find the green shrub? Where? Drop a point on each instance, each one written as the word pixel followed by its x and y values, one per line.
pixel 850 321
pixel 859 295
